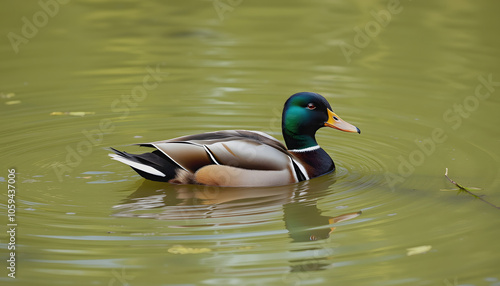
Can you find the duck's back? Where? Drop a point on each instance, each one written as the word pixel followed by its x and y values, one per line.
pixel 237 148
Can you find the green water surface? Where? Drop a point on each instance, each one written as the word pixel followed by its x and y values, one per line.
pixel 421 79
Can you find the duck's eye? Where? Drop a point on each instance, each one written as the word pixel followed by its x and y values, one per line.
pixel 311 106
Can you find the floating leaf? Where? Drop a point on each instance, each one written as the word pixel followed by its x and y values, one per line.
pixel 179 249
pixel 80 113
pixel 418 250
pixel 12 102
pixel 73 113
pixel 8 95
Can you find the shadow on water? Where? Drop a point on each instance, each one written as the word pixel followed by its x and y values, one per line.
pixel 194 206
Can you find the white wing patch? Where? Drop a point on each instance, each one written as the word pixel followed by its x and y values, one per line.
pixel 302 169
pixel 293 170
pixel 210 154
pixel 136 165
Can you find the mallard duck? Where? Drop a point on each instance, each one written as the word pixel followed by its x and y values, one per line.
pixel 242 158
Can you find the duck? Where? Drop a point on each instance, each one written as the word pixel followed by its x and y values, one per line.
pixel 244 158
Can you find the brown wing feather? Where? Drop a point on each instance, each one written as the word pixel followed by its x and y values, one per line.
pixel 237 148
pixel 190 157
pixel 249 154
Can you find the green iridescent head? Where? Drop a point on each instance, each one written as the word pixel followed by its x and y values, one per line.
pixel 306 112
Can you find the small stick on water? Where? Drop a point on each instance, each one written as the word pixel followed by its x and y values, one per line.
pixel 460 187
pixel 464 189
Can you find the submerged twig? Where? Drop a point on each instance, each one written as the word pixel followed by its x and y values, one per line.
pixel 466 190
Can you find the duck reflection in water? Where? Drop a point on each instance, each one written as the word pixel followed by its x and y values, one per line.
pixel 190 204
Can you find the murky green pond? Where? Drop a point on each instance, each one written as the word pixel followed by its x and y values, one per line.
pixel 421 79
